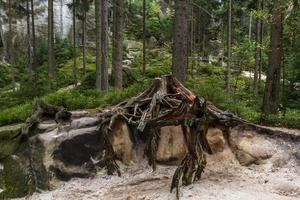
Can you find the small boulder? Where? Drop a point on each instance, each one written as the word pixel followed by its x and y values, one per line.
pixel 249 147
pixel 216 140
pixel 171 147
pixel 121 142
pixel 280 159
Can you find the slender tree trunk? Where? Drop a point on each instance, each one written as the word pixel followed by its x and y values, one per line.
pixel 272 88
pixel 34 61
pixel 118 43
pixel 261 41
pixel 203 43
pixel 228 76
pixel 104 45
pixel 180 40
pixel 61 18
pixel 50 40
pixel 144 36
pixel 29 40
pixel 74 45
pixel 192 42
pixel 250 27
pixel 258 49
pixel 10 45
pixel 84 42
pixel 3 42
pixel 98 43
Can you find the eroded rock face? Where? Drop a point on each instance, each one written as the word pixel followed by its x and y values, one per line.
pixel 77 146
pixel 216 140
pixel 171 147
pixel 122 143
pixel 249 147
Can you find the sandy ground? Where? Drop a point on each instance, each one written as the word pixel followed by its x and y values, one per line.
pixel 224 179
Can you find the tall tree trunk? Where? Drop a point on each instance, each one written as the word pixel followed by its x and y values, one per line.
pixel 144 36
pixel 74 44
pixel 258 49
pixel 34 61
pixel 272 88
pixel 228 76
pixel 104 45
pixel 61 18
pixel 84 42
pixel 29 40
pixel 50 40
pixel 192 42
pixel 261 41
pixel 117 57
pixel 3 42
pixel 180 40
pixel 250 28
pixel 98 43
pixel 10 45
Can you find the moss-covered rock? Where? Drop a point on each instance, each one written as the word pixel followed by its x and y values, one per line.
pixel 16 182
pixel 8 140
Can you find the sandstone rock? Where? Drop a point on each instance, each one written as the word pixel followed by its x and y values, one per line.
pixel 250 148
pixel 47 126
pixel 245 158
pixel 8 140
pixel 280 159
pixel 171 147
pixel 84 122
pixel 216 140
pixel 79 114
pixel 77 146
pixel 122 143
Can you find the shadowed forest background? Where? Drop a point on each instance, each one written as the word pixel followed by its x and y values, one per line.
pixel 84 54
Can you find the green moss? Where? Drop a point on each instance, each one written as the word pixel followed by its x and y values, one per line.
pixel 15 114
pixel 16 182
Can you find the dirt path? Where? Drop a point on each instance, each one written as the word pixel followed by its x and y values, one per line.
pixel 224 178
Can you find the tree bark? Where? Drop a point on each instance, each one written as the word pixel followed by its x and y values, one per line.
pixel 61 21
pixel 104 45
pixel 10 45
pixel 118 43
pixel 229 37
pixel 74 45
pixel 50 40
pixel 258 49
pixel 98 43
pixel 84 42
pixel 180 40
pixel 34 64
pixel 192 40
pixel 261 38
pixel 29 40
pixel 272 88
pixel 144 36
pixel 3 42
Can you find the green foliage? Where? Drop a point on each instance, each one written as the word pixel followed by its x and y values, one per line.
pixel 158 25
pixel 5 77
pixel 63 51
pixel 15 114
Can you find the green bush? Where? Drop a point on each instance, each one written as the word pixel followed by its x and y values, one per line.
pixel 15 114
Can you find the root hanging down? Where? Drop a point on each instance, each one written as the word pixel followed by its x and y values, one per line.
pixel 165 103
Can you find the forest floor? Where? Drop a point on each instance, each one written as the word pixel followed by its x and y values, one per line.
pixel 224 178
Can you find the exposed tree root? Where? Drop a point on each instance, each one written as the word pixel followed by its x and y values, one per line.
pixel 165 103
